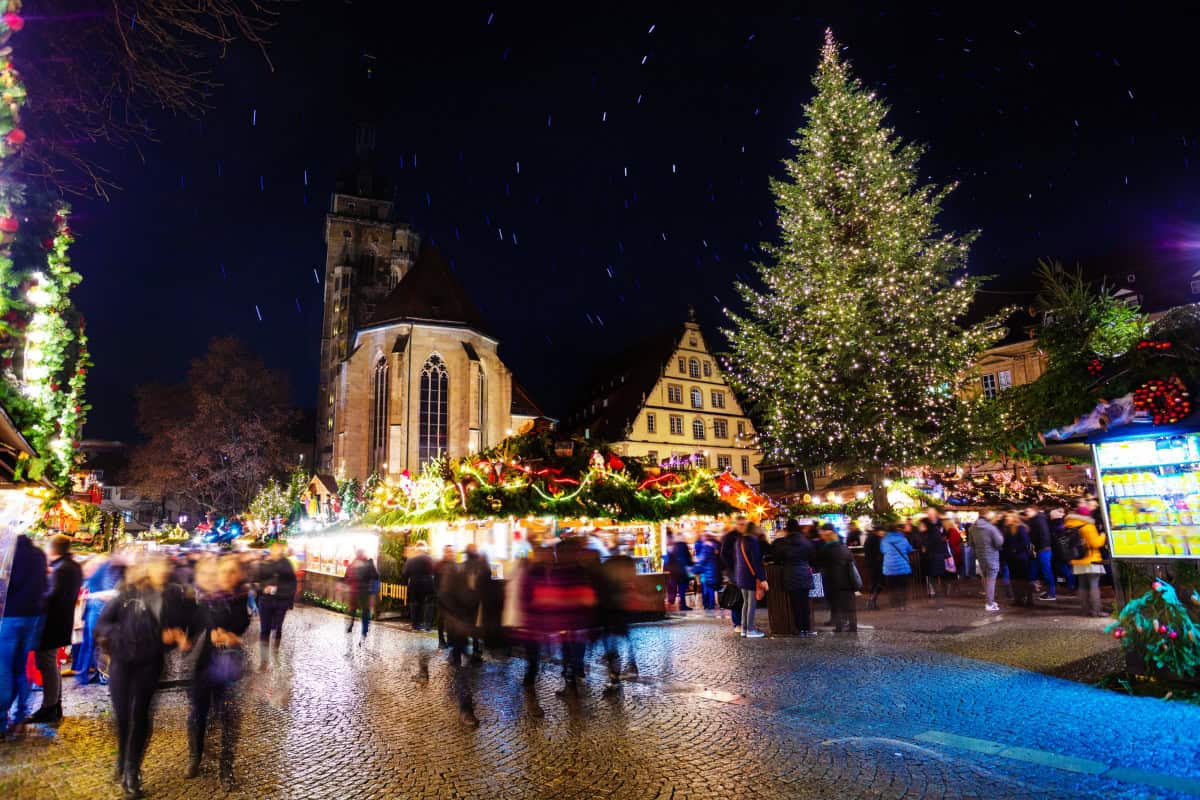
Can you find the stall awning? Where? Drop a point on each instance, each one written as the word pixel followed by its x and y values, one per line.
pixel 1135 430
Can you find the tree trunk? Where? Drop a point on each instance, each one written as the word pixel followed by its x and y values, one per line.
pixel 879 492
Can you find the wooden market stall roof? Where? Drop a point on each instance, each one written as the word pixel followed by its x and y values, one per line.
pixel 13 445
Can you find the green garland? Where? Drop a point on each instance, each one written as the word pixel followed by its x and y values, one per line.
pixel 1158 627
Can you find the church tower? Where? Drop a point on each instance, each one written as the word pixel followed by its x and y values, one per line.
pixel 367 253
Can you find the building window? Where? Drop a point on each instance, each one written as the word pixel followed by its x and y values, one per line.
pixel 741 429
pixel 693 368
pixel 433 432
pixel 106 493
pixel 698 429
pixel 697 398
pixel 718 398
pixel 989 387
pixel 1004 379
pixel 708 369
pixel 745 465
pixel 724 463
pixel 720 429
pixel 702 460
pixel 682 365
pixel 377 451
pixel 651 423
pixel 481 385
pixel 674 393
pixel 676 425
pixel 652 456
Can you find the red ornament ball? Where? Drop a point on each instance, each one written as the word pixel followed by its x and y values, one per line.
pixel 15 22
pixel 9 224
pixel 1173 635
pixel 1156 586
pixel 15 137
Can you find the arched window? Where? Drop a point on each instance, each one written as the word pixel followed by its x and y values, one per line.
pixel 377 454
pixel 697 428
pixel 481 385
pixel 693 368
pixel 697 398
pixel 432 435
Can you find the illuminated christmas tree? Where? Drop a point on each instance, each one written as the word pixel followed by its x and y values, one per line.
pixel 853 352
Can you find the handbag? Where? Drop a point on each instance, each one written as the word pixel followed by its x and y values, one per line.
pixel 731 597
pixel 818 588
pixel 951 567
pixel 225 666
pixel 760 590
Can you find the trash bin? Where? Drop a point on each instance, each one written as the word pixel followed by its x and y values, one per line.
pixel 779 608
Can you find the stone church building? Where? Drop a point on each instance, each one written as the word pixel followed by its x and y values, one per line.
pixel 409 369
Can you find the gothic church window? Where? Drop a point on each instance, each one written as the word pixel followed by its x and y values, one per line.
pixel 377 454
pixel 434 423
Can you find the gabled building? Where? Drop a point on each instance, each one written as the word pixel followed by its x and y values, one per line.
pixel 666 398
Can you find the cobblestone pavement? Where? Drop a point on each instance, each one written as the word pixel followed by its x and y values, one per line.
pixel 877 715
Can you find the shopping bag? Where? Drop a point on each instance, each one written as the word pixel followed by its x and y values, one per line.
pixel 731 597
pixel 818 589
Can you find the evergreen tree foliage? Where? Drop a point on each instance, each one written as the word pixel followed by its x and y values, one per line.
pixel 854 352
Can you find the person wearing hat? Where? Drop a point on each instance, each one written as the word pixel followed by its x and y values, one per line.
pixel 794 552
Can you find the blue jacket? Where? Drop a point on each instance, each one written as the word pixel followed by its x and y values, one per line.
pixel 708 563
pixel 895 550
pixel 27 581
pixel 745 574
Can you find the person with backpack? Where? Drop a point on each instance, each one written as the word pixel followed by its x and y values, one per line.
pixel 136 628
pixel 1060 539
pixel 66 578
pixel 1084 546
pixel 277 593
pixel 361 580
pixel 987 541
pixel 896 566
pixel 24 605
pixel 222 617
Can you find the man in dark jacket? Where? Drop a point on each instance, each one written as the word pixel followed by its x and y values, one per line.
pixel 443 575
pixel 361 577
pixel 679 565
pixel 277 594
pixel 836 563
pixel 419 576
pixel 23 606
pixel 1043 546
pixel 728 552
pixel 66 577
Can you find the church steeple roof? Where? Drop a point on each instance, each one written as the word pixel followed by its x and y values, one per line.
pixel 429 293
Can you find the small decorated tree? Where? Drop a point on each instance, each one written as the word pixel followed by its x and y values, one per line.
pixel 1158 628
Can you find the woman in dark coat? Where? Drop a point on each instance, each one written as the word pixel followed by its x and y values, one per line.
pixel 66 577
pixel 934 549
pixel 873 558
pixel 679 564
pixel 794 553
pixel 222 616
pixel 749 575
pixel 837 573
pixel 277 593
pixel 1015 552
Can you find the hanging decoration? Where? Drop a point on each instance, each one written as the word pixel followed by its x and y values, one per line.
pixel 1166 400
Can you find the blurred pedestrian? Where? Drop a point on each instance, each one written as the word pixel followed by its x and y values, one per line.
pixel 1060 536
pixel 708 569
pixel 574 605
pixel 101 576
pixel 443 575
pixel 751 578
pixel 1043 547
pixel 277 586
pixel 794 553
pixel 931 541
pixel 458 601
pixel 679 565
pixel 24 606
pixel 618 575
pixel 136 628
pixel 66 578
pixel 986 540
pixel 873 561
pixel 478 575
pixel 1090 566
pixel 418 573
pixel 1016 552
pixel 360 580
pixel 222 617
pixel 841 579
pixel 895 548
pixel 729 560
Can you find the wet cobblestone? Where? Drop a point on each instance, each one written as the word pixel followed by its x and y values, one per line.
pixel 711 716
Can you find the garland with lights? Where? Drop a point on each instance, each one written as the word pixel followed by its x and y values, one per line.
pixel 522 477
pixel 42 339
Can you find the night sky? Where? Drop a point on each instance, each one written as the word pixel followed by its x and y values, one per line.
pixel 593 172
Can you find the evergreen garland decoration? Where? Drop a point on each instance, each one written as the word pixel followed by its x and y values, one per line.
pixel 1158 627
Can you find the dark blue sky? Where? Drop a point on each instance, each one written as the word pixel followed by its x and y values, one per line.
pixel 1073 135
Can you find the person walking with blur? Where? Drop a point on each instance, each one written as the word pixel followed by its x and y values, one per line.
pixel 838 574
pixel 20 628
pixel 794 552
pixel 708 570
pixel 222 617
pixel 66 578
pixel 679 565
pixel 729 560
pixel 1015 552
pixel 987 541
pixel 277 588
pixel 931 541
pixel 419 572
pixel 360 579
pixel 458 601
pixel 895 548
pixel 101 576
pixel 873 560
pixel 136 628
pixel 617 577
pixel 1090 566
pixel 442 577
pixel 1043 547
pixel 751 578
